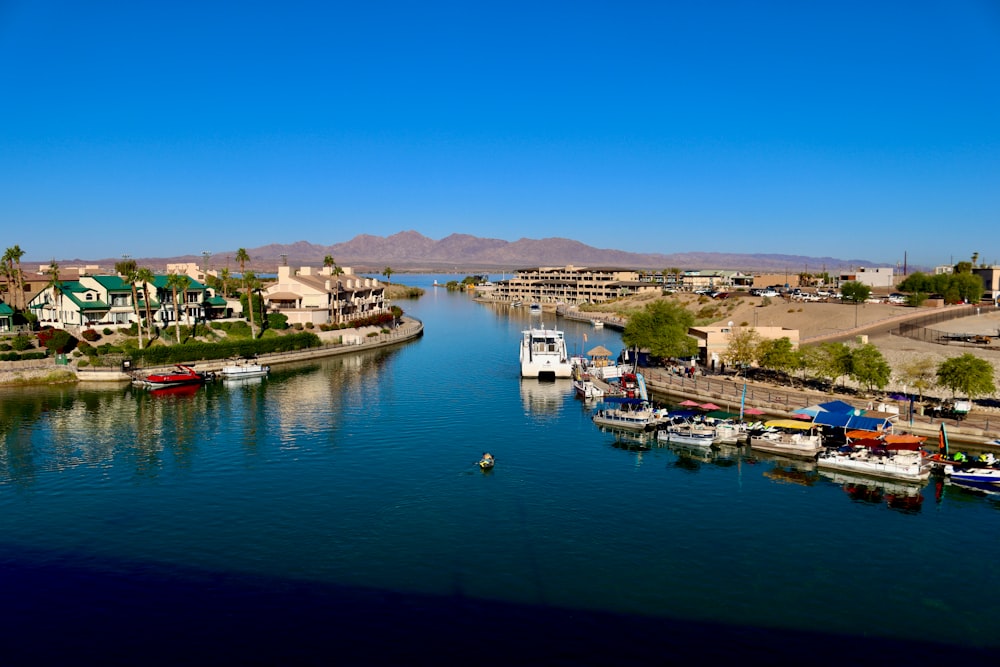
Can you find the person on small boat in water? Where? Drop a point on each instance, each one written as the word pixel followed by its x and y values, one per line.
pixel 487 460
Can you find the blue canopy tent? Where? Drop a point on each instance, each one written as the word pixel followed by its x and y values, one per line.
pixel 837 406
pixel 852 421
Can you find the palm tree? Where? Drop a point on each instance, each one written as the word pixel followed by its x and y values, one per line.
pixel 177 281
pixel 242 257
pixel 387 272
pixel 7 266
pixel 329 262
pixel 145 277
pixel 224 277
pixel 56 286
pixel 252 284
pixel 127 269
pixel 16 254
pixel 975 258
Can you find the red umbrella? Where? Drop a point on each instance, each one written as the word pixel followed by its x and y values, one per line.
pixel 753 411
pixel 689 404
pixel 800 415
pixel 709 406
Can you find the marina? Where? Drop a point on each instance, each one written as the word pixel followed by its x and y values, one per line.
pixel 341 500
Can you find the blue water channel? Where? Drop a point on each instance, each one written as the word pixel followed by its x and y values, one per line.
pixel 333 513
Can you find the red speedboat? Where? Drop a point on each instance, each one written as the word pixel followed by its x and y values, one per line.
pixel 181 376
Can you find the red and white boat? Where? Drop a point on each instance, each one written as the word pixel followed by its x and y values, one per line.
pixel 182 375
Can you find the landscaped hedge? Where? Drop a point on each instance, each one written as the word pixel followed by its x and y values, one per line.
pixel 195 351
pixel 14 356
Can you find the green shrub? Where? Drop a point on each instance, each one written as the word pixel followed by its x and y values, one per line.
pixel 83 363
pixel 107 331
pixel 198 351
pixel 90 335
pixel 309 325
pixel 277 321
pixel 22 343
pixel 14 356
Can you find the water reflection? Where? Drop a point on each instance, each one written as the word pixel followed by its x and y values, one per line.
pixel 541 397
pixel 896 495
pixel 137 431
pixel 788 470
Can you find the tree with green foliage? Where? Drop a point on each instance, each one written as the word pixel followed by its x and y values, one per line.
pixel 387 272
pixel 127 270
pixel 869 368
pixel 57 341
pixel 175 282
pixel 146 277
pixel 7 266
pixel 14 276
pixel 56 284
pixel 967 375
pixel 854 292
pixel 829 361
pixel 969 287
pixel 918 373
pixel 662 328
pixel 777 354
pixel 742 349
pixel 252 303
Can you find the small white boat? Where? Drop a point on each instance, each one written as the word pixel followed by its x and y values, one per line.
pixel 688 434
pixel 598 324
pixel 583 382
pixel 586 389
pixel 788 437
pixel 633 415
pixel 979 475
pixel 242 371
pixel 729 432
pixel 872 457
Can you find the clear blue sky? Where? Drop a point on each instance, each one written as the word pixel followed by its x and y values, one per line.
pixel 829 128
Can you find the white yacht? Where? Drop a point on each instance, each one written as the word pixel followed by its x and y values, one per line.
pixel 543 354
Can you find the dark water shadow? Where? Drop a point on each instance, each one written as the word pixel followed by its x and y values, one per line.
pixel 58 612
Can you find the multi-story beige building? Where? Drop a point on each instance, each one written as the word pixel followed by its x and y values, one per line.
pixel 990 275
pixel 319 296
pixel 571 285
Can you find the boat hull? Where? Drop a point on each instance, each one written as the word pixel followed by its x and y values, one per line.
pixel 242 372
pixel 694 438
pixel 975 475
pixel 624 420
pixel 908 469
pixel 803 448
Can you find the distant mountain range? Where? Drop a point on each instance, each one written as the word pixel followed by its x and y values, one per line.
pixel 412 251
